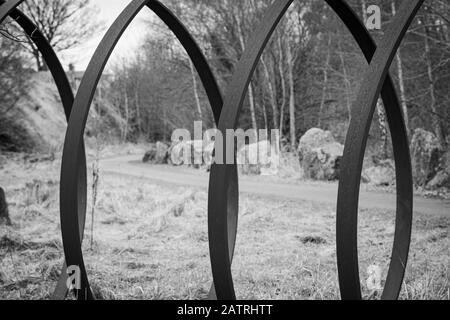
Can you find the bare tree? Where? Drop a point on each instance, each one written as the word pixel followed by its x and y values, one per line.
pixel 346 78
pixel 437 125
pixel 270 88
pixel 282 81
pixel 309 72
pixel 290 65
pixel 325 81
pixel 196 95
pixel 401 81
pixel 64 23
pixel 251 95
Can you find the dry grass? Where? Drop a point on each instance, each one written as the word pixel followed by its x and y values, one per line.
pixel 151 243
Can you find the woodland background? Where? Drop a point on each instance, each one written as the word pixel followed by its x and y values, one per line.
pixel 307 78
pixel 147 238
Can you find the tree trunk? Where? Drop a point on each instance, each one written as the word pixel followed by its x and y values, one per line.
pixel 138 109
pixel 325 82
pixel 437 125
pixel 383 129
pixel 250 88
pixel 401 81
pixel 283 84
pixel 194 84
pixel 266 118
pixel 290 64
pixel 37 58
pixel 127 116
pixel 252 106
pixel 273 99
pixel 4 213
pixel 364 10
pixel 347 82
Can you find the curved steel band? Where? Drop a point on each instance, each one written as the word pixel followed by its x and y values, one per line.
pixel 73 144
pixel 220 253
pixel 65 92
pixel 223 193
pixel 355 145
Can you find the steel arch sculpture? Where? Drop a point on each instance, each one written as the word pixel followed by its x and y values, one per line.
pixel 77 124
pixel 347 212
pixel 349 185
pixel 223 188
pixel 9 8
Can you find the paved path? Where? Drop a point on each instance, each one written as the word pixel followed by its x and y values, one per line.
pixel 325 193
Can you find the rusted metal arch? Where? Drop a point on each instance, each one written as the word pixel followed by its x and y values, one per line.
pixel 347 247
pixel 73 144
pixel 66 94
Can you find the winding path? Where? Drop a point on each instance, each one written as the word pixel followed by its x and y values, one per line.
pixel 324 193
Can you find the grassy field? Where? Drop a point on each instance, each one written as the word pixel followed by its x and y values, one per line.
pixel 150 242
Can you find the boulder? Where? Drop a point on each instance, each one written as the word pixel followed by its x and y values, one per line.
pixel 196 153
pixel 442 177
pixel 150 155
pixel 208 154
pixel 382 174
pixel 445 162
pixel 158 154
pixel 249 169
pixel 425 154
pixel 260 158
pixel 189 153
pixel 176 154
pixel 247 160
pixel 320 155
pixel 440 180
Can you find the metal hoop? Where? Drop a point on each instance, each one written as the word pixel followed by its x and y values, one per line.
pixel 223 185
pixel 77 123
pixel 65 92
pixel 219 251
pixel 355 145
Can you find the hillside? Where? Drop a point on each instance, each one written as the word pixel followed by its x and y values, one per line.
pixel 37 122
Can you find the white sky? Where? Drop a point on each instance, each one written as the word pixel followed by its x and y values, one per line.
pixel 109 10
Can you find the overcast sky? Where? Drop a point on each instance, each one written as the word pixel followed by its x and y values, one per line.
pixel 109 10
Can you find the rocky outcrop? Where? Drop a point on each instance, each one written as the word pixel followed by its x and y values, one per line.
pixel 188 153
pixel 383 174
pixel 442 177
pixel 440 180
pixel 260 158
pixel 247 160
pixel 320 155
pixel 426 153
pixel 208 154
pixel 158 154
